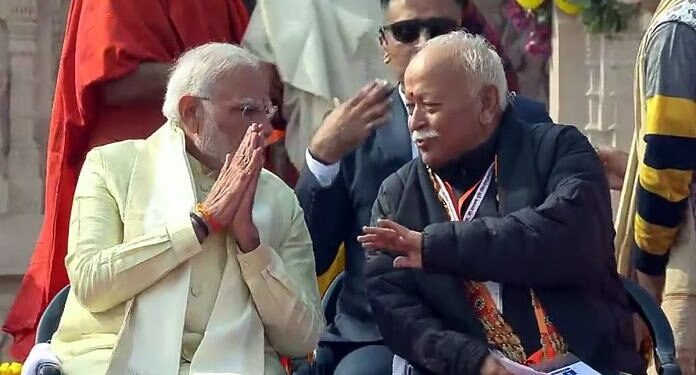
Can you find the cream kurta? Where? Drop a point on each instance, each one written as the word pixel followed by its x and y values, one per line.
pixel 106 273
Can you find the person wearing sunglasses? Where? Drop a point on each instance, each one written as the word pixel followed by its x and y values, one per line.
pixel 359 144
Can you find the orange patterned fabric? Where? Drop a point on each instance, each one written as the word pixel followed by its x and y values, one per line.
pixel 498 332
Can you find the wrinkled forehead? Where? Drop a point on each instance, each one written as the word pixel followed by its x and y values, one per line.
pixel 402 10
pixel 433 72
pixel 242 84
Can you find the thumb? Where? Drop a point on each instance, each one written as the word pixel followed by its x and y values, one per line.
pixel 403 262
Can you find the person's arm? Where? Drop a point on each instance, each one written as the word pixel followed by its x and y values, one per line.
pixel 562 241
pixel 283 285
pixel 103 270
pixel 408 325
pixel 666 171
pixel 327 212
pixel 615 162
pixel 146 84
pixel 321 189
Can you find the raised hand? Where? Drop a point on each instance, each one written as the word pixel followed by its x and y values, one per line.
pixel 242 226
pixel 396 239
pixel 350 123
pixel 239 171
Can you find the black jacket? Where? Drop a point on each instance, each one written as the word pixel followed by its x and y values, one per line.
pixel 337 213
pixel 553 233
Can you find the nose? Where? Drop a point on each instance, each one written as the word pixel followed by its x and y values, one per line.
pixel 417 120
pixel 422 38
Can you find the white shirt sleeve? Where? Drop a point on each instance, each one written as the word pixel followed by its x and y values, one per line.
pixel 325 174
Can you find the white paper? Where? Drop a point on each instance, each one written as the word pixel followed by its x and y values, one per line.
pixel 578 368
pixel 516 368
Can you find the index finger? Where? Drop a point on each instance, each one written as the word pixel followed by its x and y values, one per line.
pixel 364 91
pixel 387 223
pixel 378 94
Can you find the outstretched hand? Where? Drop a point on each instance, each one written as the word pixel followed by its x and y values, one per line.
pixel 394 238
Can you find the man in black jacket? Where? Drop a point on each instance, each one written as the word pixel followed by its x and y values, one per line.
pixel 360 143
pixel 504 234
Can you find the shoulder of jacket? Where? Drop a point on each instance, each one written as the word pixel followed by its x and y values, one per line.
pixel 118 156
pixel 273 186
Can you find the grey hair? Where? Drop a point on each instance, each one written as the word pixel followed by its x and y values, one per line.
pixel 196 71
pixel 478 59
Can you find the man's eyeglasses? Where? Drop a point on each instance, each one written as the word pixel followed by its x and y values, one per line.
pixel 410 30
pixel 251 111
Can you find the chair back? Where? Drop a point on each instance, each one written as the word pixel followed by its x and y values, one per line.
pixel 660 330
pixel 48 324
pixel 330 299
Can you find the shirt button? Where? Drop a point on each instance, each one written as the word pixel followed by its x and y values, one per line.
pixel 195 291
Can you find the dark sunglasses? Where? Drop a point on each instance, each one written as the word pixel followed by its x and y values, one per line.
pixel 410 30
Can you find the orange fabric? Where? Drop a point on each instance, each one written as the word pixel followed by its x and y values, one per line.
pixel 276 136
pixel 104 40
pixel 497 330
pixel 464 198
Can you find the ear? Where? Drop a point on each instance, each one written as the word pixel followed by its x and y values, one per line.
pixel 190 113
pixel 490 104
pixel 382 39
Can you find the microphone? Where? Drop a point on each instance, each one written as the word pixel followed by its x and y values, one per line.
pixel 48 368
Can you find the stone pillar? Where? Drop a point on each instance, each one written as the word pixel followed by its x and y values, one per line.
pixel 591 80
pixel 31 34
pixel 21 217
pixel 4 114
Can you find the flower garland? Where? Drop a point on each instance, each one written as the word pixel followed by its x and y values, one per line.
pixel 12 368
pixel 534 18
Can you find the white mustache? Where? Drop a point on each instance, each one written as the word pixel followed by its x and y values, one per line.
pixel 418 135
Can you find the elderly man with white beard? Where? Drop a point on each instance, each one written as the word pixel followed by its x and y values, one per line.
pixel 184 255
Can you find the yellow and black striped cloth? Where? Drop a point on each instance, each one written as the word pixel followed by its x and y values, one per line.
pixel 665 173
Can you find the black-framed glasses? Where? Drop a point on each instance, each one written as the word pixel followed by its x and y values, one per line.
pixel 410 30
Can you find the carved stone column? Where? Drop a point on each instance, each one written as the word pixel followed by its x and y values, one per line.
pixel 4 114
pixel 20 222
pixel 591 81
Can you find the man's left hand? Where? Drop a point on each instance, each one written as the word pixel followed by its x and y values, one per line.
pixel 242 226
pixel 396 239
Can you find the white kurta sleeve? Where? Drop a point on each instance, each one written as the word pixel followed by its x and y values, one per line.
pixel 103 270
pixel 284 287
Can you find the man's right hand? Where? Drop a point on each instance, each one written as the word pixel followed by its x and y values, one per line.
pixel 350 123
pixel 492 366
pixel 235 177
pixel 615 162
